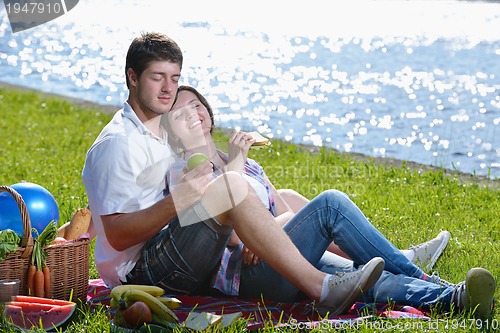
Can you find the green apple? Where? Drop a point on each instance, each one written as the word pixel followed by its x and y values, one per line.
pixel 195 160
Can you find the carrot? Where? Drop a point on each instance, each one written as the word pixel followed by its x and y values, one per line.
pixel 39 284
pixel 31 279
pixel 46 281
pixel 39 256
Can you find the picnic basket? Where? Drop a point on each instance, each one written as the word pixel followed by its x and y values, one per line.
pixel 68 262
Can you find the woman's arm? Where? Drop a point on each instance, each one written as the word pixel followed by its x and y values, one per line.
pixel 293 199
pixel 234 240
pixel 283 211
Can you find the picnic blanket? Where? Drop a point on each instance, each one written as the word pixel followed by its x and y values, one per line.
pixel 262 313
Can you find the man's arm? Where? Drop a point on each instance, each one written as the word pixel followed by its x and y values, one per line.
pixel 124 230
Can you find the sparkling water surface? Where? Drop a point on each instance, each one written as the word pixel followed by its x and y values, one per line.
pixel 412 80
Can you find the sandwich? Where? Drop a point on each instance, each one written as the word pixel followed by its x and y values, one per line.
pixel 261 142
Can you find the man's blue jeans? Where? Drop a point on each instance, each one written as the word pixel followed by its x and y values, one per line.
pixel 332 216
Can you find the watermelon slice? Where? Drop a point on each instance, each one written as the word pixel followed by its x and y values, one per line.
pixel 36 312
pixel 33 299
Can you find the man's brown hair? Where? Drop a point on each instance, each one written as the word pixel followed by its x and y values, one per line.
pixel 148 47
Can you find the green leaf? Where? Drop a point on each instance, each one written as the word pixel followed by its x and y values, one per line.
pixel 9 242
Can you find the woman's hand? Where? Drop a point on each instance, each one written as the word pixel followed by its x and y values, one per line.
pixel 239 144
pixel 249 258
pixel 234 240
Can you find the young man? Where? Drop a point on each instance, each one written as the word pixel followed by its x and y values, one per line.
pixel 140 238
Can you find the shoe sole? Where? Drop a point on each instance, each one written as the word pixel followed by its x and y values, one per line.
pixel 440 249
pixel 480 286
pixel 372 271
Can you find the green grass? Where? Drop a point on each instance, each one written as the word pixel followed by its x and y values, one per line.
pixel 44 140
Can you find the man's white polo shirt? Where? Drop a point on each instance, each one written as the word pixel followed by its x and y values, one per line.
pixel 124 172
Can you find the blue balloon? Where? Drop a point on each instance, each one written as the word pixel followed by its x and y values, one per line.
pixel 41 205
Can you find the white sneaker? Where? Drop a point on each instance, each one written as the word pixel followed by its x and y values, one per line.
pixel 436 279
pixel 426 254
pixel 346 287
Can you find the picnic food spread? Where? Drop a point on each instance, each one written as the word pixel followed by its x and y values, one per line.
pixel 146 308
pixel 137 305
pixel 38 302
pixel 38 256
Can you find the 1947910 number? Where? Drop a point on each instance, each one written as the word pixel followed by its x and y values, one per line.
pixel 472 323
pixel 34 7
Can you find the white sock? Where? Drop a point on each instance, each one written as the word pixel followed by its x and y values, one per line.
pixel 325 289
pixel 410 254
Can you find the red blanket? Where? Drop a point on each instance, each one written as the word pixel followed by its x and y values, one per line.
pixel 261 313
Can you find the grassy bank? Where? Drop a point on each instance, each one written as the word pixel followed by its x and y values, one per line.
pixel 44 140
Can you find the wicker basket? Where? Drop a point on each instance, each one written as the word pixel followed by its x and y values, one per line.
pixel 68 262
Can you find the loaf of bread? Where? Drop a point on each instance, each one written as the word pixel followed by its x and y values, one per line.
pixel 78 225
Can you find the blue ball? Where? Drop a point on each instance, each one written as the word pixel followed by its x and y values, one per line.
pixel 41 205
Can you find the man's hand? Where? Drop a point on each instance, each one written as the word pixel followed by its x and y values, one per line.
pixel 192 186
pixel 239 144
pixel 249 258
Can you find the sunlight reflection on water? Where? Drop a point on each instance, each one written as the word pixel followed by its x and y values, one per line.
pixel 418 82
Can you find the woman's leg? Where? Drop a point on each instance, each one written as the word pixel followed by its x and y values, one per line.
pixel 339 219
pixel 262 281
pixel 424 255
pixel 350 230
pixel 394 288
pixel 329 216
pixel 332 215
pixel 296 202
pixel 401 281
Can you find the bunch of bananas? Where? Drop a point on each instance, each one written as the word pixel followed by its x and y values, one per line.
pixel 161 306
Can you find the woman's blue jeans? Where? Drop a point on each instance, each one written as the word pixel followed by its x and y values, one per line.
pixel 332 216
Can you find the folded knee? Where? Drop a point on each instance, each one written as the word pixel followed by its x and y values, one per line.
pixel 234 186
pixel 334 196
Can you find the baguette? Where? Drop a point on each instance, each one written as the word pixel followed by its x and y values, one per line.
pixel 79 224
pixel 62 230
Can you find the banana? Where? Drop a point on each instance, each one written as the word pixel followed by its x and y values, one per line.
pixel 152 302
pixel 118 291
pixel 160 321
pixel 171 302
pixel 113 303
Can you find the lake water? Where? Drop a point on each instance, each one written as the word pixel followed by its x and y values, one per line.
pixel 412 80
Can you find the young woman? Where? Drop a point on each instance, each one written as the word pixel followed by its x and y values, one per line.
pixel 329 217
